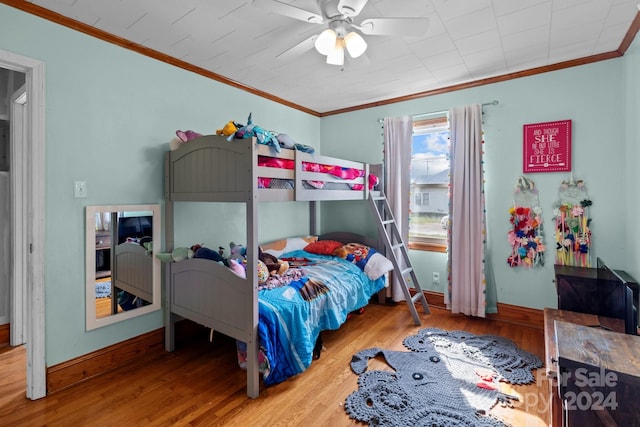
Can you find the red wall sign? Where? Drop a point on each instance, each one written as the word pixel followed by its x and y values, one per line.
pixel 547 147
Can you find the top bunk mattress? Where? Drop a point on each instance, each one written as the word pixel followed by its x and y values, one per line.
pixel 211 168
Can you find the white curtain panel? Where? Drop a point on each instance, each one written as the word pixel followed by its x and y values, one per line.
pixel 467 284
pixel 398 134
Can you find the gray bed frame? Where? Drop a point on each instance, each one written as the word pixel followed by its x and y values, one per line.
pixel 211 169
pixel 133 270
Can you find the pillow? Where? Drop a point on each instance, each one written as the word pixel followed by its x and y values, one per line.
pixel 279 247
pixel 356 253
pixel 323 247
pixel 373 263
pixel 377 266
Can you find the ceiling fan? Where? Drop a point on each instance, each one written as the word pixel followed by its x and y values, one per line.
pixel 342 32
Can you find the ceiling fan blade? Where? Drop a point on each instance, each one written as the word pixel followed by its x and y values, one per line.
pixel 298 49
pixel 285 9
pixel 394 26
pixel 361 61
pixel 351 8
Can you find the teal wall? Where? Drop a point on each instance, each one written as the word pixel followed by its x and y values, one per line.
pixel 110 114
pixel 592 96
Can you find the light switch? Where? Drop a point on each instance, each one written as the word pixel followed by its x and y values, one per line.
pixel 80 189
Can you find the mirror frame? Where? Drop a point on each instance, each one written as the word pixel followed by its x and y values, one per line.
pixel 90 256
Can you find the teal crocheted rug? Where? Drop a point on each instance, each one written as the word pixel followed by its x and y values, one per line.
pixel 449 378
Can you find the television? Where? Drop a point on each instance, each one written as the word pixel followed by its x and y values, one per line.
pixel 609 295
pixel 616 297
pixel 134 227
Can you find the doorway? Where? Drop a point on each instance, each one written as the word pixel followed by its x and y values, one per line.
pixel 27 218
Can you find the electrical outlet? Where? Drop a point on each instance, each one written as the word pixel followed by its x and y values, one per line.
pixel 436 278
pixel 80 189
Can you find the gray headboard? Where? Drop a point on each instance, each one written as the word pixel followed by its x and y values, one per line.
pixel 348 237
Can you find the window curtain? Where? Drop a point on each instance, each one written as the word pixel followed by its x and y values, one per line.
pixel 398 134
pixel 103 221
pixel 467 283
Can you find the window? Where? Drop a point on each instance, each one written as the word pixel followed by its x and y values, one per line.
pixel 429 184
pixel 422 199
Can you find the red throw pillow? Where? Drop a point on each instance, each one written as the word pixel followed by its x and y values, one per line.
pixel 322 247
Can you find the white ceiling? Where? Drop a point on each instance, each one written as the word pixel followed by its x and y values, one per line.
pixel 467 40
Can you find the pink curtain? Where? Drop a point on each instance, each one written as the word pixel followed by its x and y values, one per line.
pixel 467 284
pixel 398 134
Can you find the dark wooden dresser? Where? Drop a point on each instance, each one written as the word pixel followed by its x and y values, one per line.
pixel 593 371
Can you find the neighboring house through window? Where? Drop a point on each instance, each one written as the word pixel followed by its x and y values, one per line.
pixel 429 184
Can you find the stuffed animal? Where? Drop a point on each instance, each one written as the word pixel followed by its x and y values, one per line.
pixel 263 273
pixel 187 135
pixel 148 245
pixel 238 252
pixel 265 137
pixel 340 252
pixel 200 251
pixel 285 141
pixel 182 138
pixel 178 254
pixel 245 131
pixel 273 264
pixel 175 143
pixel 229 129
pixel 237 268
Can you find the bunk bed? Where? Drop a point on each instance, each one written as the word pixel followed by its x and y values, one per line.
pixel 212 169
pixel 132 271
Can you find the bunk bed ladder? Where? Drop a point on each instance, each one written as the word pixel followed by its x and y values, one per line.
pixel 395 249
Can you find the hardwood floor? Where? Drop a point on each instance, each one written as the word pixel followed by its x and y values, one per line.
pixel 200 383
pixel 103 305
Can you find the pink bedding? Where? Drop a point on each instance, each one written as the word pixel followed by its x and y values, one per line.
pixel 337 171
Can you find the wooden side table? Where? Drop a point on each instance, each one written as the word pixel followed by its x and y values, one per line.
pixel 599 376
pixel 551 351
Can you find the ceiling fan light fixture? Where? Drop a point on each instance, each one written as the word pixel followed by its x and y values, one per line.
pixel 336 56
pixel 355 44
pixel 326 41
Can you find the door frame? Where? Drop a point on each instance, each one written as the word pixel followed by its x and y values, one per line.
pixel 31 207
pixel 18 272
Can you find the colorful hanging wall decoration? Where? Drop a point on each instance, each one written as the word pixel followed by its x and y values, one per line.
pixel 571 217
pixel 525 236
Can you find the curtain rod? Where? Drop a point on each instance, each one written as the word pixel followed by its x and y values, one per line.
pixel 433 113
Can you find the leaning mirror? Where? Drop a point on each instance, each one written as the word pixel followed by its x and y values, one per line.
pixel 123 273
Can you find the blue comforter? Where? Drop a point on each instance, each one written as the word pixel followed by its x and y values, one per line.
pixel 291 317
